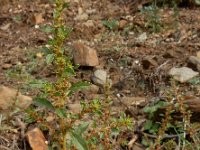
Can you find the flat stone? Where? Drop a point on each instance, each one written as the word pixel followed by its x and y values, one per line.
pixel 99 78
pixel 89 23
pixel 193 103
pixel 75 108
pixel 10 97
pixel 182 74
pixel 198 54
pixel 194 60
pixel 194 63
pixel 84 55
pixel 92 89
pixel 142 38
pixel 81 17
pixel 91 92
pixel 134 101
pixel 36 139
pixel 198 67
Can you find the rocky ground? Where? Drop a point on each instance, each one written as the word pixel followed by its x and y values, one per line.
pixel 110 40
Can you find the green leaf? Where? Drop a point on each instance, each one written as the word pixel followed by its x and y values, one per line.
pixel 37 84
pixel 63 50
pixel 57 94
pixel 148 124
pixel 78 141
pixel 56 14
pixel 194 81
pixel 94 140
pixel 49 58
pixel 155 107
pixel 82 128
pixel 78 86
pixel 154 129
pixel 47 29
pixel 102 136
pixel 63 32
pixel 74 116
pixel 110 24
pixel 43 102
pixel 69 71
pixel 61 113
pixel 45 50
pixel 115 131
pixel 145 142
pixel 52 42
pixel 65 5
pixel 17 18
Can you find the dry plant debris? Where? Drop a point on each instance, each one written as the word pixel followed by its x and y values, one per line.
pixel 120 38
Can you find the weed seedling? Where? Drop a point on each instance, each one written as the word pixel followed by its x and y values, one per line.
pixel 153 19
pixel 163 124
pixel 69 130
pixel 110 24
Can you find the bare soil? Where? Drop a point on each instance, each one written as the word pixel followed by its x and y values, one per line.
pixel 137 69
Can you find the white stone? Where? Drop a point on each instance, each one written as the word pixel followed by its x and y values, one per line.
pixel 100 77
pixel 142 37
pixel 183 74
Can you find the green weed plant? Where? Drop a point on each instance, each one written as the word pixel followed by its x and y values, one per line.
pixel 72 130
pixel 165 128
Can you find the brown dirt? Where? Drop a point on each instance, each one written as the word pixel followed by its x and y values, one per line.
pixel 119 52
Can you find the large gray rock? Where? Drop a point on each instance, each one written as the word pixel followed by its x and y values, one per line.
pixel 182 74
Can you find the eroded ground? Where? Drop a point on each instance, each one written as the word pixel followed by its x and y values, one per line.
pixel 136 59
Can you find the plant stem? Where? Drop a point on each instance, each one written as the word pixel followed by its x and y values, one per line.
pixel 65 141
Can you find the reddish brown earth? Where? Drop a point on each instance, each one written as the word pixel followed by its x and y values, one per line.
pixel 137 69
